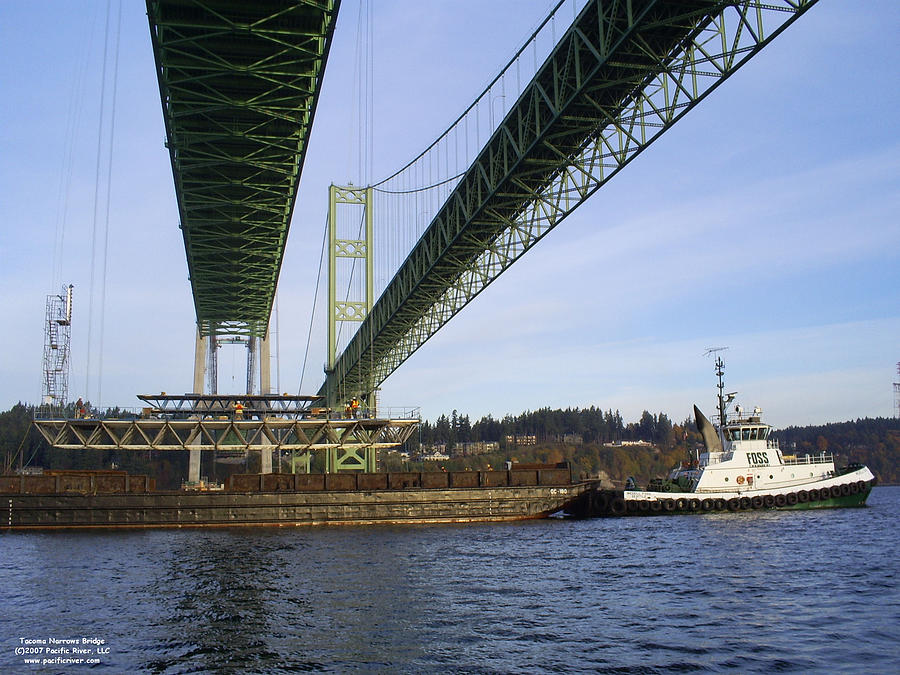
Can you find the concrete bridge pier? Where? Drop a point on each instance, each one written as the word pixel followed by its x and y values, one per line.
pixel 200 350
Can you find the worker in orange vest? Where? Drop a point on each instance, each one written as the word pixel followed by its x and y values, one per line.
pixel 238 411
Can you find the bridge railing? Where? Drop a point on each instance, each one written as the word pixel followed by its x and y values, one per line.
pixel 137 413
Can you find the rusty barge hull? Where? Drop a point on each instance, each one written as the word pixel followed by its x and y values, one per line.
pixel 274 500
pixel 287 509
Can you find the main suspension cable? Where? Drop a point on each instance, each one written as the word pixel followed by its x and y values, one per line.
pixel 477 100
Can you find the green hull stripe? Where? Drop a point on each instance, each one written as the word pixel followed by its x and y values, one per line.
pixel 843 501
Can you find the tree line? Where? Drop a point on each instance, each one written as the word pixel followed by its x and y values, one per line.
pixel 580 434
pixel 592 425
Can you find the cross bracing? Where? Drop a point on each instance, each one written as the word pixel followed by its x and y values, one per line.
pixel 239 83
pixel 623 73
pixel 275 433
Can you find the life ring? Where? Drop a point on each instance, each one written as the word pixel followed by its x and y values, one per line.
pixel 756 502
pixel 791 498
pixel 740 480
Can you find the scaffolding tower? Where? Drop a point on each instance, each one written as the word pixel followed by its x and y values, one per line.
pixel 57 337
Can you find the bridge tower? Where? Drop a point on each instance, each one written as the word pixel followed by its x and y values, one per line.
pixel 206 382
pixel 350 261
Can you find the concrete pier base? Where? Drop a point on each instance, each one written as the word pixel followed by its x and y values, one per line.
pixel 194 466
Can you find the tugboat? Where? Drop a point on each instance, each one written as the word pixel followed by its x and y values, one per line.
pixel 743 468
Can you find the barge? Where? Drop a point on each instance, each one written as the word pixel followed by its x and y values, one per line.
pixel 95 500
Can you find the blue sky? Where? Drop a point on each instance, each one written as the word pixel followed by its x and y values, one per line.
pixel 765 221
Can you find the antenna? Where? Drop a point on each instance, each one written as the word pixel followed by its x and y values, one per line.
pixel 720 372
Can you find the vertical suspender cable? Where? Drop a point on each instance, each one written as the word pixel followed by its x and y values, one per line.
pixel 312 315
pixel 75 110
pixel 277 346
pixel 112 135
pixel 87 376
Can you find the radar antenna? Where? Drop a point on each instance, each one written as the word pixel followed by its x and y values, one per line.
pixel 720 372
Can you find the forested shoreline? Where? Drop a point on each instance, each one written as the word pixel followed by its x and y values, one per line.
pixel 596 442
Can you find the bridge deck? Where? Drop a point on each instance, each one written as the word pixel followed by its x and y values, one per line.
pixel 239 82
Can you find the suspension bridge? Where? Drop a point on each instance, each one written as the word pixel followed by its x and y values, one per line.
pixel 239 84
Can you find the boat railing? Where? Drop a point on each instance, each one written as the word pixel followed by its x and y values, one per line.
pixel 822 458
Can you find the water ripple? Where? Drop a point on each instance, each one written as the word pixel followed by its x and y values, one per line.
pixel 756 592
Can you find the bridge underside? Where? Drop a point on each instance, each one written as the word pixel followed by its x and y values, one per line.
pixel 239 82
pixel 623 73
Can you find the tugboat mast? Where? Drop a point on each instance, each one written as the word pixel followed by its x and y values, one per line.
pixel 720 365
pixel 723 400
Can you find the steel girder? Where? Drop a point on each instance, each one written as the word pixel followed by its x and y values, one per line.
pixel 623 73
pixel 272 433
pixel 239 82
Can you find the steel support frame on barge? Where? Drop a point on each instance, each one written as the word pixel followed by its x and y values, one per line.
pixel 267 424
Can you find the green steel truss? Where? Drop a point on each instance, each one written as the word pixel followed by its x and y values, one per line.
pixel 623 73
pixel 239 83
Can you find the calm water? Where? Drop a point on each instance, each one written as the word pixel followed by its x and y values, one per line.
pixel 749 592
